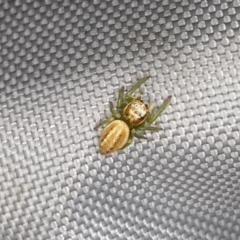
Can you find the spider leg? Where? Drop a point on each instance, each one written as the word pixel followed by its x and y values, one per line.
pixel 152 117
pixel 120 97
pixel 114 112
pixel 151 106
pixel 137 96
pixel 150 128
pixel 150 109
pixel 135 87
pixel 103 122
pixel 135 134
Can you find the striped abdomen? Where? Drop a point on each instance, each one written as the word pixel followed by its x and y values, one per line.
pixel 135 112
pixel 114 136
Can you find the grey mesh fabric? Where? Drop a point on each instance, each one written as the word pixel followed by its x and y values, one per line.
pixel 61 62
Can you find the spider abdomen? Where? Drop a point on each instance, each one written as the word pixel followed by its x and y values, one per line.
pixel 114 136
pixel 135 112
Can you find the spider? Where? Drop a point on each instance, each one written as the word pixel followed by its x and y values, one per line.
pixel 130 116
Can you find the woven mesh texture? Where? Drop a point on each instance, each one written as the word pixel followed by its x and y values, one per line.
pixel 60 65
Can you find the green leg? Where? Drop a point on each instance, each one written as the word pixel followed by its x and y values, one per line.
pixel 103 122
pixel 135 134
pixel 151 106
pixel 114 112
pixel 136 86
pixel 153 117
pixel 120 97
pixel 150 128
pixel 150 109
pixel 137 96
pixel 131 98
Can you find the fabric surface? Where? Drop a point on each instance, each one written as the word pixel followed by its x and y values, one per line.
pixel 60 65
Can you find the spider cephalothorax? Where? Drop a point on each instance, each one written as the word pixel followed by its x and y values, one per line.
pixel 130 116
pixel 136 112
